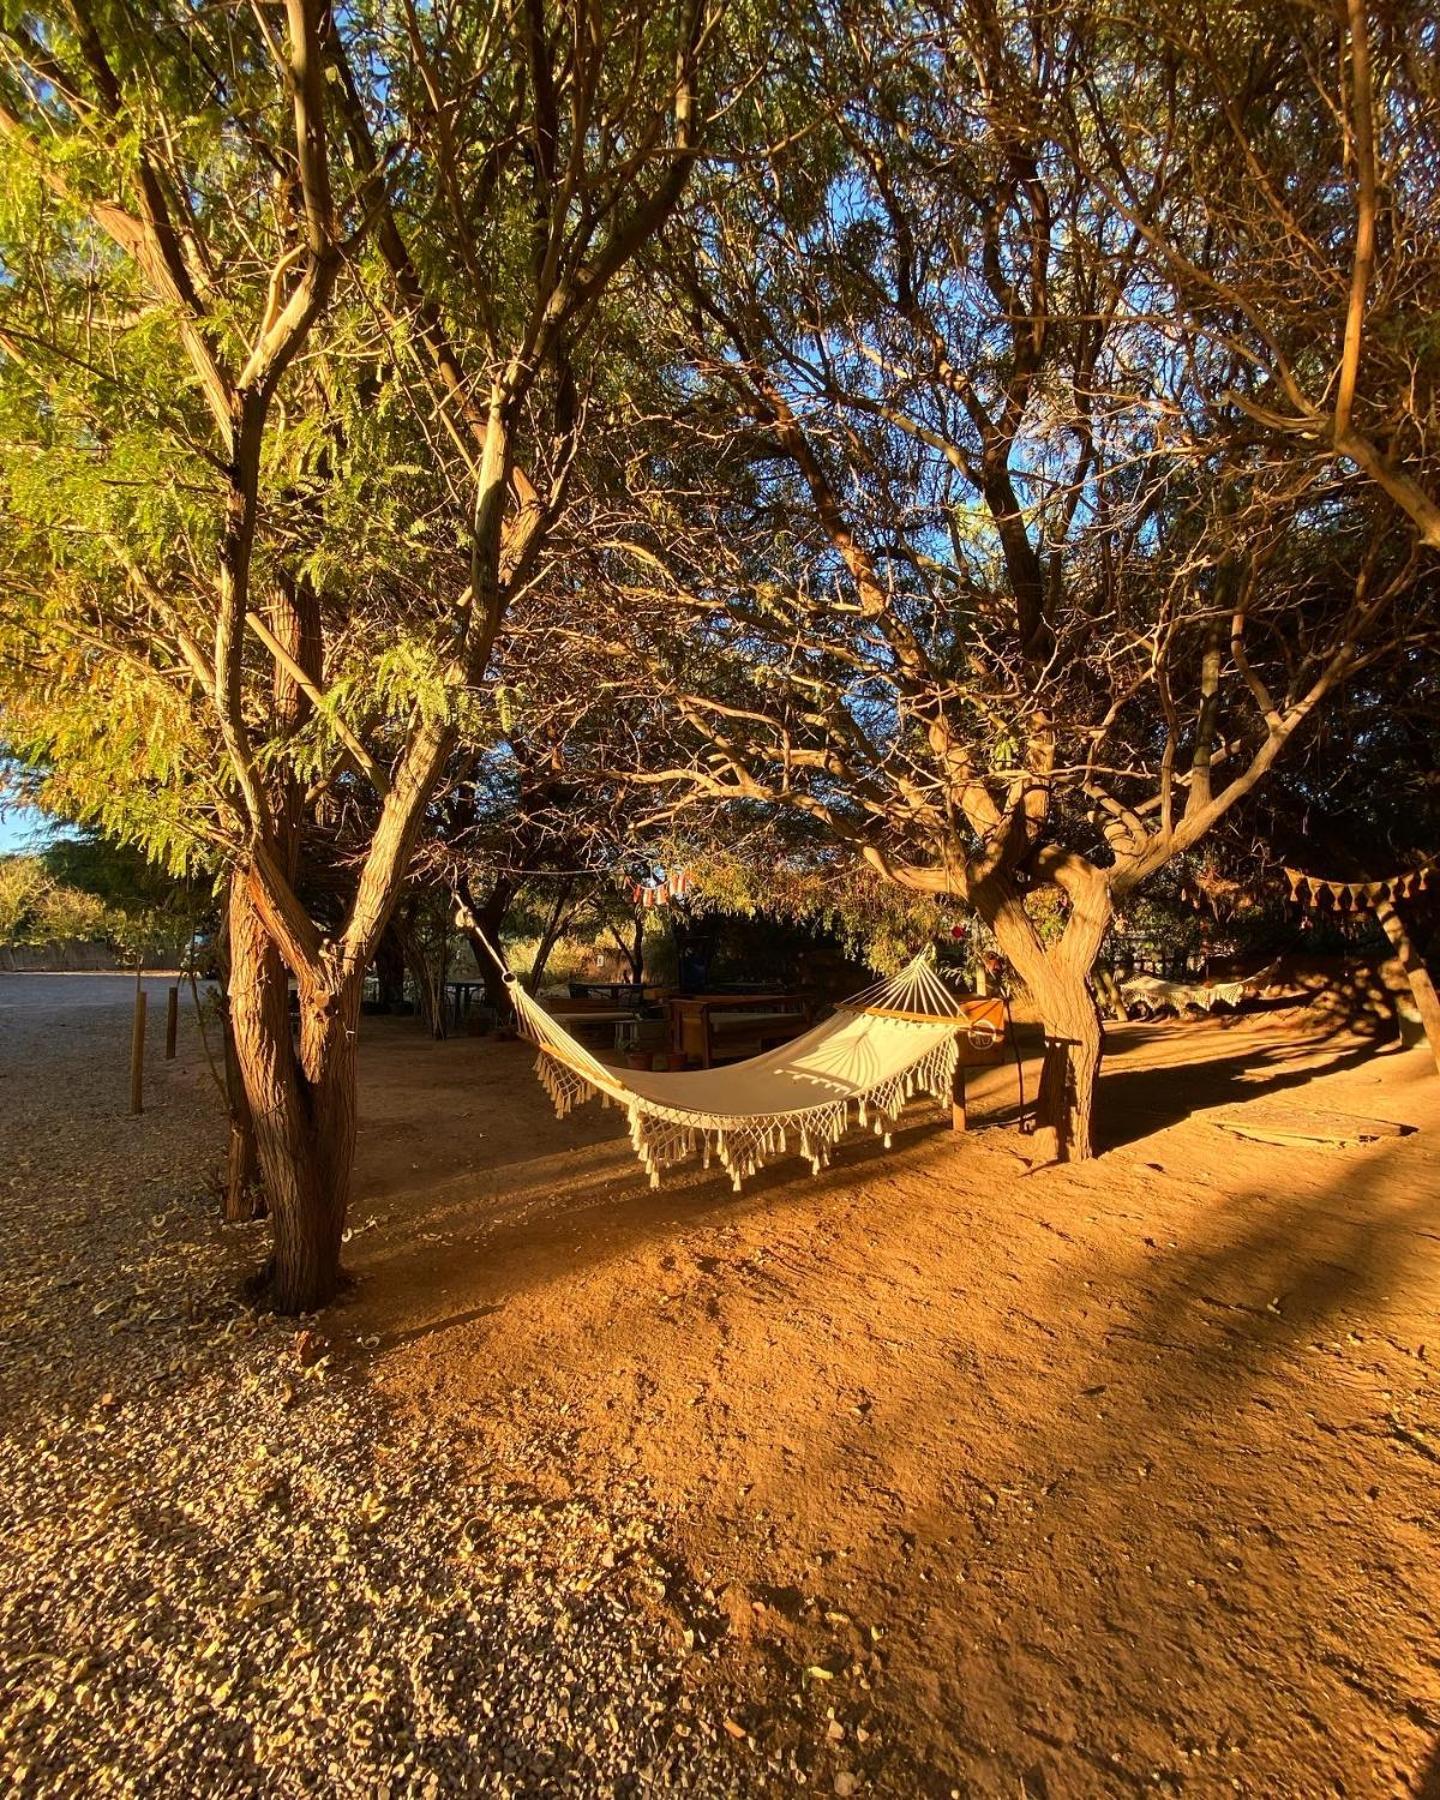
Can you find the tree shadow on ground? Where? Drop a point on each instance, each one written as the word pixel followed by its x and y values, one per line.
pixel 1243 1429
pixel 1086 1423
pixel 1135 1103
pixel 1172 1479
pixel 508 1224
pixel 503 1244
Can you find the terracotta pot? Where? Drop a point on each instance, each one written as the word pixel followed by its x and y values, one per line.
pixel 639 1059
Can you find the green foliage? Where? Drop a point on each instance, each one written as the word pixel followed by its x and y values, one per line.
pixel 35 908
pixel 23 887
pixel 93 890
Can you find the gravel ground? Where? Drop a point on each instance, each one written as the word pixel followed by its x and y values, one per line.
pixel 231 1567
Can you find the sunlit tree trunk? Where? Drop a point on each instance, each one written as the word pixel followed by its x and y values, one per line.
pixel 300 1082
pixel 1060 979
pixel 1421 986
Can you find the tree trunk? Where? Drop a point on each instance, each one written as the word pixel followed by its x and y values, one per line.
pixel 551 936
pixel 486 922
pixel 302 1101
pixel 1107 992
pixel 244 1199
pixel 1074 1045
pixel 1059 977
pixel 1421 986
pixel 390 969
pixel 429 991
pixel 637 950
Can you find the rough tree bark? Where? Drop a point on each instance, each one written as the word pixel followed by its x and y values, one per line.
pixel 244 1198
pixel 1421 985
pixel 1059 976
pixel 299 1080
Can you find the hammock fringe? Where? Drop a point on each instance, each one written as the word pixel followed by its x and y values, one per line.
pixel 664 1134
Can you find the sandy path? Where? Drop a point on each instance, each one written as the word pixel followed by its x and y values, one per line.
pixel 230 1569
pixel 937 1475
pixel 1067 1481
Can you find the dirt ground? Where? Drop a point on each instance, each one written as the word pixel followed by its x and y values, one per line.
pixel 978 1478
pixel 938 1474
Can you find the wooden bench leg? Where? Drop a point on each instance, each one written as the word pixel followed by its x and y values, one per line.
pixel 958 1119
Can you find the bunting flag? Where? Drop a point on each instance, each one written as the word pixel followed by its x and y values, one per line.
pixel 662 888
pixel 1328 895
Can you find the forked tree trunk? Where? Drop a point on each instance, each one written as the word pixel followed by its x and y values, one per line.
pixel 1059 977
pixel 550 937
pixel 302 1099
pixel 1070 1072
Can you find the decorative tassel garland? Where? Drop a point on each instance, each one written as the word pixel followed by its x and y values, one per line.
pixel 1323 895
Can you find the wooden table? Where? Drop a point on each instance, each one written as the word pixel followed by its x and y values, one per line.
pixel 461 992
pixel 618 993
pixel 693 1017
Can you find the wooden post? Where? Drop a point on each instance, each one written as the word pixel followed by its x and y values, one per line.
pixel 959 1120
pixel 172 1022
pixel 137 1053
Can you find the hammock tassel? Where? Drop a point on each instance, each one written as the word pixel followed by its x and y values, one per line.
pixel 861 1066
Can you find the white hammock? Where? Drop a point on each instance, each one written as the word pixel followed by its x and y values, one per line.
pixel 892 1040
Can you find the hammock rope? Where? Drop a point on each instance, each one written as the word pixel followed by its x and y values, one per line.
pixel 891 1041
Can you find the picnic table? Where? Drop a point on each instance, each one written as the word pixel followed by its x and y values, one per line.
pixel 704 1026
pixel 461 993
pixel 618 993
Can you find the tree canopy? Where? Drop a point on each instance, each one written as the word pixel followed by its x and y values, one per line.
pixel 987 438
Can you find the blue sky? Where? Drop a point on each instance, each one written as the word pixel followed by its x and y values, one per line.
pixel 20 826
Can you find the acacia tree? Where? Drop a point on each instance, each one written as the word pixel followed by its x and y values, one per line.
pixel 232 607
pixel 1288 200
pixel 979 567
